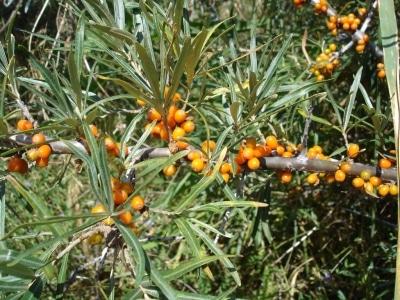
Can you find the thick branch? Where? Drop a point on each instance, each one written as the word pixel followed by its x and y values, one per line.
pixel 299 163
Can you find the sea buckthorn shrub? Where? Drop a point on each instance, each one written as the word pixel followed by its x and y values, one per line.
pixel 196 149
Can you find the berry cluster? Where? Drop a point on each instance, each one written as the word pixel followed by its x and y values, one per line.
pixel 380 70
pixel 321 6
pixel 40 154
pixel 326 63
pixel 177 122
pixel 349 22
pixel 361 43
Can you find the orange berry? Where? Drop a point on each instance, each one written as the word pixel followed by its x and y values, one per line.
pixel 260 151
pixel 280 150
pixel 119 196
pixel 17 164
pixel 340 176
pixel 312 179
pixel 225 168
pixel 375 181
pixel 248 153
pixel 177 97
pixel 178 133
pixel 358 182
pixel 42 162
pixel 44 151
pixel 169 170
pixel 381 74
pixel 330 178
pixel 115 184
pixel 182 145
pixel 137 203
pixel 140 102
pixel 125 217
pixel 208 146
pixel 94 130
pixel 385 163
pixel 188 126
pixel 380 66
pixel 271 142
pixel 153 115
pixel 180 116
pixel 317 149
pixel 23 125
pixel 383 190
pixel 127 187
pixel 225 176
pixel 197 165
pixel 311 153
pixel 353 150
pixel 170 117
pixel 194 154
pixel 239 159
pixel 393 190
pixel 109 143
pixel 365 174
pixel 287 154
pixel 98 209
pixel 164 135
pixel 38 138
pixel 32 154
pixel 286 176
pixel 253 163
pixel 345 167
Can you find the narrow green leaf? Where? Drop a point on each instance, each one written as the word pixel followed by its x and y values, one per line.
pixel 353 93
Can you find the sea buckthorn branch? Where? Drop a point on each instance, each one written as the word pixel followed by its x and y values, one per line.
pixel 299 163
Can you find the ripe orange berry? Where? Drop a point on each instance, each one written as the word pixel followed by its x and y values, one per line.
pixel 182 145
pixel 253 163
pixel 98 209
pixel 127 187
pixel 330 178
pixel 140 102
pixel 287 154
pixel 312 179
pixel 286 177
pixel 317 149
pixel 115 184
pixel 188 126
pixel 194 154
pixel 208 146
pixel 358 182
pixel 125 217
pixel 311 153
pixel 383 190
pixel 94 130
pixel 225 168
pixel 180 116
pixel 271 142
pixel 178 133
pixel 393 190
pixel 164 135
pixel 170 117
pixel 38 138
pixel 42 162
pixel 177 97
pixel 385 163
pixel 169 170
pixel 345 167
pixel 353 150
pixel 381 74
pixel 369 188
pixel 119 196
pixel 137 203
pixel 225 176
pixel 197 165
pixel 153 115
pixel 366 175
pixel 375 181
pixel 248 153
pixel 239 159
pixel 109 143
pixel 340 176
pixel 23 125
pixel 32 154
pixel 44 151
pixel 280 150
pixel 18 165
